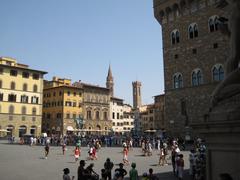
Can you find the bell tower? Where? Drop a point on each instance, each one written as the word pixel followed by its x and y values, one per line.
pixel 137 99
pixel 109 81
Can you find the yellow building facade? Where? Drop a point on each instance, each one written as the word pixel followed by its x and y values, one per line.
pixel 20 98
pixel 62 106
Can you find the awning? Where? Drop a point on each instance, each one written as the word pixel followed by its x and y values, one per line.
pixel 22 128
pixel 4 130
pixel 70 128
pixel 149 130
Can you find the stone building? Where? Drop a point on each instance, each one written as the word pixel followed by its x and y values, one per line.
pixel 194 52
pixel 159 120
pixel 20 98
pixel 96 108
pixel 62 106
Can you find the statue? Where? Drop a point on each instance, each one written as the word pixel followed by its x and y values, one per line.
pixel 230 86
pixel 79 122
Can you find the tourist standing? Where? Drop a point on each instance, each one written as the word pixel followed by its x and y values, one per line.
pixel 133 173
pixel 120 172
pixel 180 167
pixel 81 170
pixel 108 166
pixel 66 176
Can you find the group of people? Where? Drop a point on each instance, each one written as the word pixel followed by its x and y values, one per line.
pixel 106 173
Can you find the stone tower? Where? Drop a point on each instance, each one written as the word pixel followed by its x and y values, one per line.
pixel 194 53
pixel 137 99
pixel 109 81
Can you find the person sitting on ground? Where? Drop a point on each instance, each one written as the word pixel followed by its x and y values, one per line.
pixel 121 172
pixel 108 166
pixel 103 174
pixel 91 174
pixel 133 173
pixel 66 174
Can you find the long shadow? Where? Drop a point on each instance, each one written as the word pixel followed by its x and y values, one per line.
pixel 140 155
pixel 168 176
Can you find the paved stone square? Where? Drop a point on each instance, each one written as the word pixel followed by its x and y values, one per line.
pixel 22 162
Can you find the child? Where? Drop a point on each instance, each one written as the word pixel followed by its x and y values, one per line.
pixel 77 153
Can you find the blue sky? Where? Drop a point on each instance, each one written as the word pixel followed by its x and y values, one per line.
pixel 77 39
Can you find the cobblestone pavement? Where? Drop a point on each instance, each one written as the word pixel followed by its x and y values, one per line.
pixel 22 162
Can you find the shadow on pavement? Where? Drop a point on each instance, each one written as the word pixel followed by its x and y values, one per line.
pixel 168 176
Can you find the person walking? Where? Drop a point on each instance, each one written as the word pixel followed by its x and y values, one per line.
pixel 77 153
pixel 46 150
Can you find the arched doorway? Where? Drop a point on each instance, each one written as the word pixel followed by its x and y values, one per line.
pixel 10 129
pixel 33 130
pixel 98 129
pixel 22 130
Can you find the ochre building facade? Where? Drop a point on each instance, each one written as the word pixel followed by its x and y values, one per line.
pixel 62 107
pixel 20 98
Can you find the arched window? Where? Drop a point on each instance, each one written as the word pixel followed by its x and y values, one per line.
pixel 97 115
pixel 221 73
pixel 89 115
pixel 173 38
pixel 35 88
pixel 190 31
pixel 194 79
pixel 216 23
pixel 197 77
pixel 213 23
pixel 34 111
pixel 13 85
pixel 177 37
pixel 25 87
pixel 218 73
pixel 24 110
pixel 11 109
pixel 177 81
pixel 195 30
pixel 105 114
